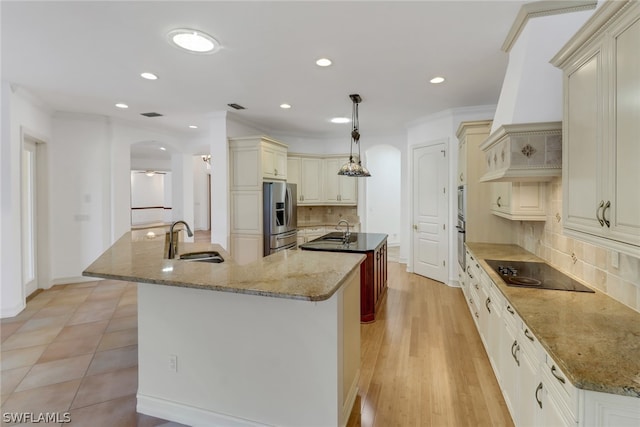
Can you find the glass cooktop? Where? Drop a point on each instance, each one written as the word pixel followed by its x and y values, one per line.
pixel 539 275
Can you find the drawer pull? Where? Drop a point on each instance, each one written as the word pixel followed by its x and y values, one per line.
pixel 469 271
pixel 476 285
pixel 510 310
pixel 538 389
pixel 486 304
pixel 514 350
pixel 558 377
pixel 477 315
pixel 528 335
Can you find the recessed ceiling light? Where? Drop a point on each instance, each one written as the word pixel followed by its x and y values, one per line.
pixel 121 105
pixel 285 106
pixel 163 148
pixel 437 80
pixel 149 76
pixel 323 62
pixel 193 126
pixel 193 40
pixel 340 120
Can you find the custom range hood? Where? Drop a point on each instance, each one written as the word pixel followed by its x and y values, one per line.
pixel 526 137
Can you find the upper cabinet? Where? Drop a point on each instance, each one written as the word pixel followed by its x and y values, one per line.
pixel 318 180
pixel 254 159
pixel 601 177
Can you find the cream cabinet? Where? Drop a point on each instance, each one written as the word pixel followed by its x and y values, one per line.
pixel 601 82
pixel 252 161
pixel 462 162
pixel 339 190
pixel 318 180
pixel 524 201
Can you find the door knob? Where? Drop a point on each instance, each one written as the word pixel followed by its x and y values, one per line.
pixel 415 227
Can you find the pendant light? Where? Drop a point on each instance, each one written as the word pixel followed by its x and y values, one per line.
pixel 351 168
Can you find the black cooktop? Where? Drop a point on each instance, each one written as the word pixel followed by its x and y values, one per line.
pixel 539 275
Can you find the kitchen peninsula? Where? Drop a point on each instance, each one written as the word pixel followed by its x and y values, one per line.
pixel 274 342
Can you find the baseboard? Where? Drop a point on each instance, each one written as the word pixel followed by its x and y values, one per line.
pixel 351 399
pixel 73 279
pixel 189 415
pixel 6 312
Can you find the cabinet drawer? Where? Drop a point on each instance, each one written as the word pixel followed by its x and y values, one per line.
pixel 559 386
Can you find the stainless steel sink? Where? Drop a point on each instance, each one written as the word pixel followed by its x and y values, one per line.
pixel 205 256
pixel 337 237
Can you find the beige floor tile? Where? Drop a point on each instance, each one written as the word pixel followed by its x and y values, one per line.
pixel 11 379
pixel 76 347
pixel 118 339
pixel 96 305
pixel 119 412
pixel 57 371
pixel 129 299
pixel 67 300
pixel 121 323
pixel 89 284
pixel 59 310
pixel 72 291
pixel 44 322
pixel 12 359
pixel 90 316
pixel 23 316
pixel 108 285
pixel 6 329
pixel 99 295
pixel 31 338
pixel 52 398
pixel 107 386
pixel 84 330
pixel 113 360
pixel 126 310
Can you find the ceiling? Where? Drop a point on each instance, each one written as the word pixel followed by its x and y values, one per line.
pixel 86 56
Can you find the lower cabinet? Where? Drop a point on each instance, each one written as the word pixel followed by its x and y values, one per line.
pixel 373 285
pixel 535 389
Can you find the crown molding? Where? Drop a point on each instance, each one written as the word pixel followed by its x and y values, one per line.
pixel 542 8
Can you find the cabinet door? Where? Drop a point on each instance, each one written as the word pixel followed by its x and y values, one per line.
pixel 245 172
pixel 268 162
pixel 280 164
pixel 293 173
pixel 348 190
pixel 500 196
pixel 246 248
pixel 624 181
pixel 552 413
pixel 462 162
pixel 311 181
pixel 530 386
pixel 509 367
pixel 332 180
pixel 582 151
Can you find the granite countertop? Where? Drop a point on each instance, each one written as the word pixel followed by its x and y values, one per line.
pixel 594 339
pixel 364 242
pixel 289 274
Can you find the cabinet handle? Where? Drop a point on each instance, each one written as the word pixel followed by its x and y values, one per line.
pixel 606 221
pixel 486 304
pixel 275 172
pixel 476 285
pixel 477 315
pixel 558 377
pixel 415 227
pixel 538 389
pixel 514 349
pixel 471 300
pixel 469 272
pixel 510 310
pixel 301 198
pixel 600 220
pixel 528 335
pixel 460 177
pixel 498 201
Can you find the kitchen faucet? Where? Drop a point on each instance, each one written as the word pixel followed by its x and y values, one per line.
pixel 173 246
pixel 347 234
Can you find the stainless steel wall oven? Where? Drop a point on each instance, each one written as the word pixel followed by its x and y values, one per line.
pixel 461 226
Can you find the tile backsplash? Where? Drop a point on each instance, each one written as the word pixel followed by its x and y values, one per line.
pixel 327 215
pixel 586 261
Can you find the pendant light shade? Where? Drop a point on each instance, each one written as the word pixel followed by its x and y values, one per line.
pixel 351 168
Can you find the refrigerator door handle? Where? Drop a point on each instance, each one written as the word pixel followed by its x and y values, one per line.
pixel 287 202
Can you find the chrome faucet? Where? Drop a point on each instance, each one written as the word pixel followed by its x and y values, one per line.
pixel 347 234
pixel 173 246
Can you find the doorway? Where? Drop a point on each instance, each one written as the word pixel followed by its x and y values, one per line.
pixel 29 206
pixel 430 207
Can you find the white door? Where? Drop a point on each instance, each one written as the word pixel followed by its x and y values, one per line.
pixel 29 241
pixel 430 196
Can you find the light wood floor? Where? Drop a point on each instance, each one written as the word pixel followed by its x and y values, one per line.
pixel 423 363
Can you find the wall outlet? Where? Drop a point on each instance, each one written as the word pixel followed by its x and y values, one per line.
pixel 615 259
pixel 173 363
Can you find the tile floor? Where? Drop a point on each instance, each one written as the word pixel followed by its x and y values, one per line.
pixel 74 349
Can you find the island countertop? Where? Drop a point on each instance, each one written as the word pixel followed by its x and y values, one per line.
pixel 364 242
pixel 293 274
pixel 594 338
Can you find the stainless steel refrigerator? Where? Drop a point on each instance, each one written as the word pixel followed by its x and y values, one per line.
pixel 280 216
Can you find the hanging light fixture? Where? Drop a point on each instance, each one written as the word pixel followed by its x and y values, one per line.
pixel 351 168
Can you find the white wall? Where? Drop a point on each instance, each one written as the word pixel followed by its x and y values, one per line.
pixel 439 126
pixel 200 194
pixel 383 192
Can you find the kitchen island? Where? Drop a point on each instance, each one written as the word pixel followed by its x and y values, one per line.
pixel 274 342
pixel 373 271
